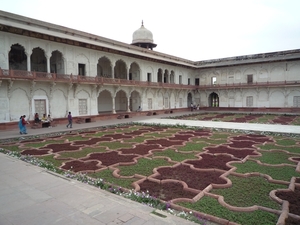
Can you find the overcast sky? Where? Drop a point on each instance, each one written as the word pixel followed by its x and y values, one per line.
pixel 190 29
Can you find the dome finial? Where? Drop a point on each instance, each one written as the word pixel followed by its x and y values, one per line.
pixel 142 22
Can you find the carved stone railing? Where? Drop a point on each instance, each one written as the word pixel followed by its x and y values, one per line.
pixel 249 85
pixel 64 78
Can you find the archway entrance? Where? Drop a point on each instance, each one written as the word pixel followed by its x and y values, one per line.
pixel 213 100
pixel 189 99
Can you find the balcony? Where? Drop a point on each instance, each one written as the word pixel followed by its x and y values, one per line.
pixel 78 79
pixel 285 83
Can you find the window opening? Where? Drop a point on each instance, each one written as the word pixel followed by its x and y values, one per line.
pixel 81 69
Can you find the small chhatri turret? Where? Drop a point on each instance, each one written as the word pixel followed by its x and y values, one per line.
pixel 143 38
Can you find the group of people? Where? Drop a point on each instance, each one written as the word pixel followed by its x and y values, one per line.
pixel 23 122
pixel 194 107
pixel 43 120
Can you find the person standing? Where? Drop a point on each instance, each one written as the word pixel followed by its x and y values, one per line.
pixel 21 125
pixel 192 106
pixel 70 119
pixel 24 122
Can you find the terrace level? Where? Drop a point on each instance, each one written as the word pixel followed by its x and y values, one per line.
pixel 11 75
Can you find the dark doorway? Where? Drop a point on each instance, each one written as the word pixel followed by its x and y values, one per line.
pixel 213 100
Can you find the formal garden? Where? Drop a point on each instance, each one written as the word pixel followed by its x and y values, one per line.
pixel 204 175
pixel 260 118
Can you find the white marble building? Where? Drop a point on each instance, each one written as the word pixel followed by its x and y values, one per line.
pixel 51 69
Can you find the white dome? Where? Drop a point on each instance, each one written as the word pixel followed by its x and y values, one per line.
pixel 142 35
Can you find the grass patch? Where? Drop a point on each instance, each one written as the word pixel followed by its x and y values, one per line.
pixel 42 144
pixel 286 142
pixel 13 148
pixel 284 173
pixel 79 154
pixel 272 157
pixel 211 206
pixel 193 146
pixel 246 192
pixel 266 119
pixel 143 167
pixel 77 138
pixel 51 159
pixel 223 136
pixel 99 134
pixel 295 149
pixel 107 176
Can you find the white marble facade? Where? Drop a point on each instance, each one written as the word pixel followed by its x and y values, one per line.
pixel 246 81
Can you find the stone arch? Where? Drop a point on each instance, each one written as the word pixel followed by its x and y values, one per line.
pixel 213 100
pixel 120 69
pixel 180 77
pixel 104 67
pixel 134 72
pixel 166 76
pixel 135 101
pixel 263 98
pixel 21 104
pixel 277 74
pixel 104 101
pixel 277 99
pixel 160 75
pixel 80 93
pixel 57 62
pixel 172 77
pixel 189 99
pixel 263 75
pixel 149 96
pixel 290 98
pixel 293 72
pixel 121 100
pixel 17 57
pixel 38 60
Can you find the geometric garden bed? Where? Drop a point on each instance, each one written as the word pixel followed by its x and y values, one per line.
pixel 226 177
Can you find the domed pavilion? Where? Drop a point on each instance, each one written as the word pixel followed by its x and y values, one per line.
pixel 143 38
